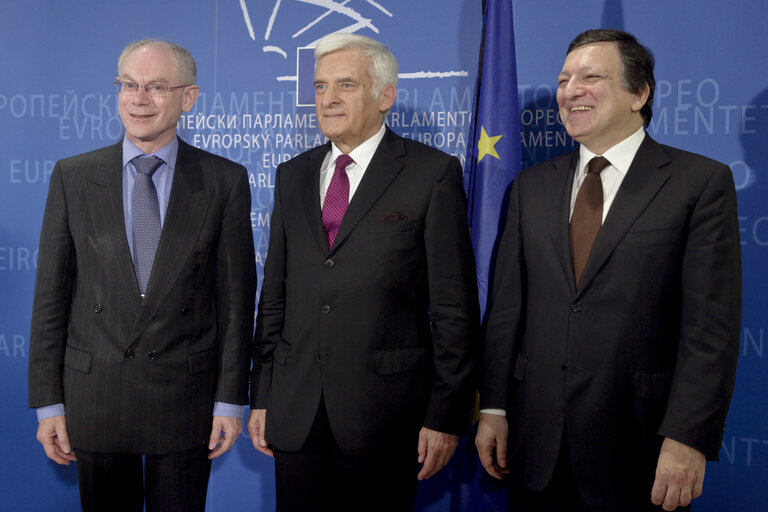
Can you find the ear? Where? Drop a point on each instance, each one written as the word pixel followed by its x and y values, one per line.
pixel 387 97
pixel 190 97
pixel 640 98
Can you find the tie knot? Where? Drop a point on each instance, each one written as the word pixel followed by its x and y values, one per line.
pixel 342 162
pixel 597 164
pixel 147 165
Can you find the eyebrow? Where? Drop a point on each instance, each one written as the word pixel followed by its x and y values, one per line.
pixel 126 76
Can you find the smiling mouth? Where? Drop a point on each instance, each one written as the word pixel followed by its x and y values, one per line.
pixel 582 108
pixel 142 116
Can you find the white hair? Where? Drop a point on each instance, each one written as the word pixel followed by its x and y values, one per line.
pixel 185 63
pixel 383 69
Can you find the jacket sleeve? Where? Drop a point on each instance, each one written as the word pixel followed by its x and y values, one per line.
pixel 708 349
pixel 56 274
pixel 271 308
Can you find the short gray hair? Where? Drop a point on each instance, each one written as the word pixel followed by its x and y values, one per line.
pixel 383 69
pixel 185 63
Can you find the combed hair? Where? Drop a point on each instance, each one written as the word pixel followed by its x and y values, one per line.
pixel 383 69
pixel 636 59
pixel 185 63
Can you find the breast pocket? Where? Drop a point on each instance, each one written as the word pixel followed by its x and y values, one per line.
pixel 653 236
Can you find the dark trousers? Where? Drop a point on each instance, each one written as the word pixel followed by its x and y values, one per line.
pixel 562 494
pixel 319 477
pixel 118 482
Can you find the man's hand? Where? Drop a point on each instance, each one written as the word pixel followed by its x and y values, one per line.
pixel 257 420
pixel 679 475
pixel 52 434
pixel 491 440
pixel 223 435
pixel 435 450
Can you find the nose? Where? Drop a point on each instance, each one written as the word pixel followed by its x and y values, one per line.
pixel 140 97
pixel 330 97
pixel 572 88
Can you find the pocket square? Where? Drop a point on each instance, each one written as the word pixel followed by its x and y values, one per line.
pixel 392 217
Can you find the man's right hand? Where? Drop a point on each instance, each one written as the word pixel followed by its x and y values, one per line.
pixel 257 420
pixel 52 434
pixel 491 440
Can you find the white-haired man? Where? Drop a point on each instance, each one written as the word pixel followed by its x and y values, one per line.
pixel 363 354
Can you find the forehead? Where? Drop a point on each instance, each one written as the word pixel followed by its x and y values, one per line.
pixel 344 63
pixel 603 55
pixel 154 59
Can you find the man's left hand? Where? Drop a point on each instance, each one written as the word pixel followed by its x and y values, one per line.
pixel 223 435
pixel 435 450
pixel 679 475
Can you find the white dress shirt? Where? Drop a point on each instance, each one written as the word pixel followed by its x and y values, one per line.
pixel 361 155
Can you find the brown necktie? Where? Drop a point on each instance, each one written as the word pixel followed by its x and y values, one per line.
pixel 587 216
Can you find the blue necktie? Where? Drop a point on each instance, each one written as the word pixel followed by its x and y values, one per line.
pixel 146 219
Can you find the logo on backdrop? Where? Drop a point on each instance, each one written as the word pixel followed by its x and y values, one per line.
pixel 359 15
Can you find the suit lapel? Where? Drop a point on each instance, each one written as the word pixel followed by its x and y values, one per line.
pixel 643 181
pixel 384 167
pixel 558 190
pixel 105 182
pixel 310 195
pixel 187 207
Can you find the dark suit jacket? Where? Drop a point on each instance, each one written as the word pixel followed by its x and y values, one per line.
pixel 143 377
pixel 646 349
pixel 382 325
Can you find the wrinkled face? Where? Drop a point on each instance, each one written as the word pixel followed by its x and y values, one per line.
pixel 347 112
pixel 595 107
pixel 150 121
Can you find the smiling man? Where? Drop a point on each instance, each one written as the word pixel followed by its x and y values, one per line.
pixel 613 328
pixel 364 346
pixel 144 301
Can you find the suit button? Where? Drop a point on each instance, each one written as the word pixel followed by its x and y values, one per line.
pixel 195 267
pixel 576 307
pixel 325 309
pixel 564 367
pixel 129 353
pixel 152 355
pixel 98 308
pixel 329 263
pixel 317 358
pixel 184 311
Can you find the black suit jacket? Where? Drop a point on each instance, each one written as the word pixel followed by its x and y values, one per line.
pixel 646 349
pixel 142 377
pixel 382 325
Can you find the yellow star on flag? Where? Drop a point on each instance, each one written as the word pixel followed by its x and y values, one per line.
pixel 485 145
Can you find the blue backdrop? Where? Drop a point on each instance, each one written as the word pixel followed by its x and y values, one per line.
pixel 58 60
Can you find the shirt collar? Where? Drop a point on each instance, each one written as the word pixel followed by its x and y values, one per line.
pixel 620 155
pixel 166 153
pixel 362 154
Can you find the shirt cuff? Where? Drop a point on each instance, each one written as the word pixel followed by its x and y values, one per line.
pixel 497 412
pixel 49 411
pixel 228 410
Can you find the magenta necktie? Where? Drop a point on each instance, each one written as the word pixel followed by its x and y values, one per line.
pixel 587 217
pixel 336 199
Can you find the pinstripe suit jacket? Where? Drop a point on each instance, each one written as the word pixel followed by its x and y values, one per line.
pixel 142 377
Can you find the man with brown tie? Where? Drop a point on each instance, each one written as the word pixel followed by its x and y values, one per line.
pixel 613 325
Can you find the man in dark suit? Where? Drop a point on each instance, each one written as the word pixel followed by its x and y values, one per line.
pixel 144 301
pixel 613 329
pixel 363 353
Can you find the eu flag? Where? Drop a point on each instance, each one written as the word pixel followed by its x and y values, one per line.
pixel 493 152
pixel 493 161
